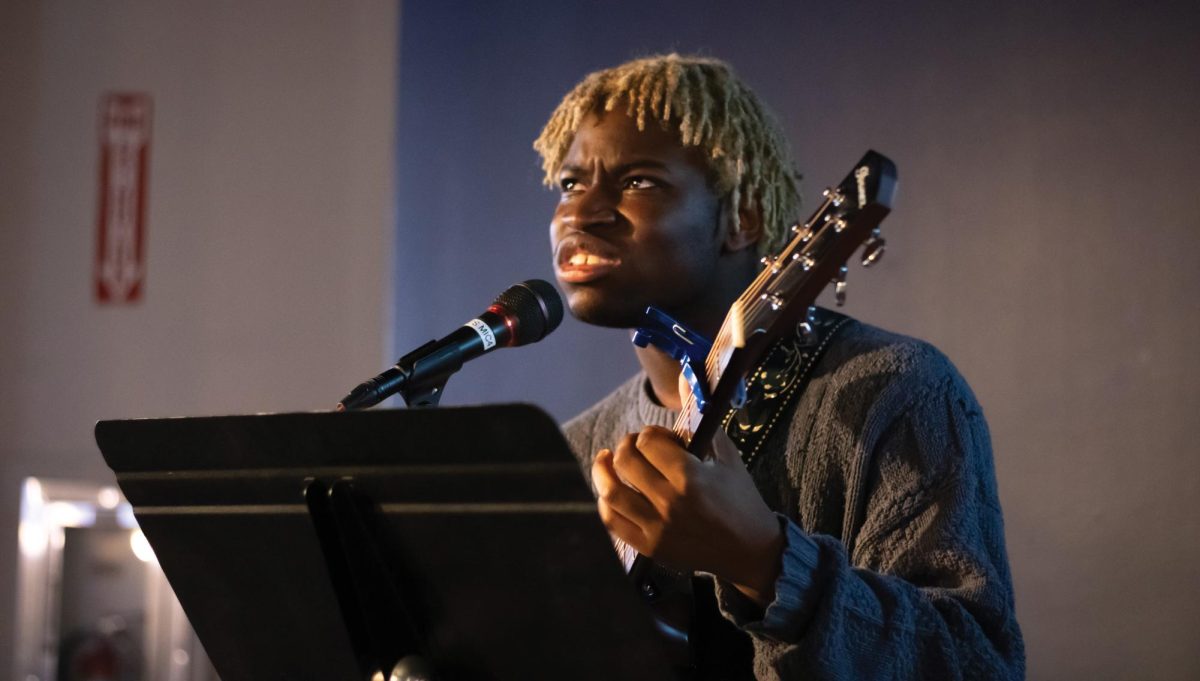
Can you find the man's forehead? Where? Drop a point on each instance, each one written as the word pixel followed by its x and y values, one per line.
pixel 614 138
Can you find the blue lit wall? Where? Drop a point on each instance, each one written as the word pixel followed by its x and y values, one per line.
pixel 1045 237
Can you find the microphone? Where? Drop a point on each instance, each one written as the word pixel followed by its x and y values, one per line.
pixel 524 313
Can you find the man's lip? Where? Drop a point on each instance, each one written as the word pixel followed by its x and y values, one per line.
pixel 579 274
pixel 580 257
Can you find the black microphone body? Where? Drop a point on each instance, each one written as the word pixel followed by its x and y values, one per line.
pixel 524 313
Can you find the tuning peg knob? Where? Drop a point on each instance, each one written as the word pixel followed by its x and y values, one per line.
pixel 775 300
pixel 839 286
pixel 770 261
pixel 807 328
pixel 835 195
pixel 873 251
pixel 807 262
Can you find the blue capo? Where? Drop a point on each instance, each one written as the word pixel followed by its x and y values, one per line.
pixel 687 347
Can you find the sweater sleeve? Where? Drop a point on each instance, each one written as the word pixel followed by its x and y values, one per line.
pixel 924 590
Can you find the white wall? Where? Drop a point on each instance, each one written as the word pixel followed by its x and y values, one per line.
pixel 269 220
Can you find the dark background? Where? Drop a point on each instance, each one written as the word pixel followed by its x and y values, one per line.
pixel 1043 237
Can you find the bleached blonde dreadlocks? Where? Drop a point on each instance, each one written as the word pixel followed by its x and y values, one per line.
pixel 711 109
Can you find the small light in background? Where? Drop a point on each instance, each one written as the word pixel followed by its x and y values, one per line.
pixel 125 517
pixel 70 514
pixel 32 533
pixel 108 498
pixel 32 496
pixel 141 547
pixel 33 538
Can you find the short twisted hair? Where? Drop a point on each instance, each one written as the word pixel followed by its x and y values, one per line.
pixel 711 109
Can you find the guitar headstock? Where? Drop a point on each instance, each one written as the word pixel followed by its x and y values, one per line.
pixel 848 217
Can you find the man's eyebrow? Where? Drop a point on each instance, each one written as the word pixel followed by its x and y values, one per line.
pixel 636 164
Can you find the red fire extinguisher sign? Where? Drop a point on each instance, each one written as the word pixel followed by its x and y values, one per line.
pixel 120 271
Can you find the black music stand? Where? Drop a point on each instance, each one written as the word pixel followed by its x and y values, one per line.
pixel 329 546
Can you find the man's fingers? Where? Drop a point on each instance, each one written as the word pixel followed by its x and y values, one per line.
pixel 618 496
pixel 632 467
pixel 619 525
pixel 660 448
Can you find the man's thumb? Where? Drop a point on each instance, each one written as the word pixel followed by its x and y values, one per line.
pixel 724 450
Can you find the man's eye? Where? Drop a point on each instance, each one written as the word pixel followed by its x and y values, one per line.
pixel 569 184
pixel 640 182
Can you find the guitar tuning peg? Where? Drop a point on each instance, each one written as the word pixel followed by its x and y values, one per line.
pixel 770 261
pixel 839 286
pixel 834 195
pixel 807 328
pixel 807 262
pixel 873 251
pixel 775 300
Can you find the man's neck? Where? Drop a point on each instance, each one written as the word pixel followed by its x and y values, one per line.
pixel 736 272
pixel 663 372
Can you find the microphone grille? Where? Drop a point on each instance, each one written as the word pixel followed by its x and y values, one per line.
pixel 537 307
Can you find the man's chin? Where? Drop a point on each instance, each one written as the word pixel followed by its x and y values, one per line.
pixel 591 309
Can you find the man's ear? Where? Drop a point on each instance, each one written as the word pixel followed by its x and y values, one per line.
pixel 748 228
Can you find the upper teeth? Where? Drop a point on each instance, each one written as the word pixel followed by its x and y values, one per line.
pixel 585 259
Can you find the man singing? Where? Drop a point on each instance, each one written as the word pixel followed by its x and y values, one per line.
pixel 858 532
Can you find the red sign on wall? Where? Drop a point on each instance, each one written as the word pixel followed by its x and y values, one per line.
pixel 124 166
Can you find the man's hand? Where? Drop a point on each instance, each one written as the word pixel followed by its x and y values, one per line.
pixel 690 514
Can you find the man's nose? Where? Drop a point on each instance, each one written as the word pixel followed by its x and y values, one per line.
pixel 595 207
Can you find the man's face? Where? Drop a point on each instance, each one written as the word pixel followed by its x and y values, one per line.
pixel 637 224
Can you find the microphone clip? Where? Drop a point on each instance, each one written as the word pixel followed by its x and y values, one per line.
pixel 427 391
pixel 410 377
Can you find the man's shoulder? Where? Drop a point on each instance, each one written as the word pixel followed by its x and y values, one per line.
pixel 861 348
pixel 868 360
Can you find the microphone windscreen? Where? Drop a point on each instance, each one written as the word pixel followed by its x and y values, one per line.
pixel 536 307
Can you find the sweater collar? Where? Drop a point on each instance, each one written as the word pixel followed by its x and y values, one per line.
pixel 651 413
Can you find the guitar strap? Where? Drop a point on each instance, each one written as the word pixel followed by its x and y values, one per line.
pixel 775 384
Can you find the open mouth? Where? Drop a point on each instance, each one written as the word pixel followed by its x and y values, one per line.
pixel 581 258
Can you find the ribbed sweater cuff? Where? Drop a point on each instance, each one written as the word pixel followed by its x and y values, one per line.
pixel 784 616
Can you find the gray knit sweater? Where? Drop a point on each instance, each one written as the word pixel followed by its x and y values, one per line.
pixel 894 565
